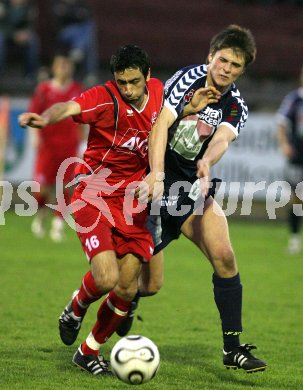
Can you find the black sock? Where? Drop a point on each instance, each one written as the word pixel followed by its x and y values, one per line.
pixel 137 297
pixel 294 222
pixel 228 298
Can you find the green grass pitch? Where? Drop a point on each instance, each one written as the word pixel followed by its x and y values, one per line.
pixel 37 278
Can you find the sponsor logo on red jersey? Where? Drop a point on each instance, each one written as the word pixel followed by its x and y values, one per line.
pixel 134 142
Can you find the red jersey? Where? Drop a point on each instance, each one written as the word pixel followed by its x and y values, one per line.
pixel 121 146
pixel 64 135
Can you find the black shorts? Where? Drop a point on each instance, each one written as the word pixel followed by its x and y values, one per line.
pixel 179 201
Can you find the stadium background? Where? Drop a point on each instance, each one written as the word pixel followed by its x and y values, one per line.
pixel 176 33
pixel 37 276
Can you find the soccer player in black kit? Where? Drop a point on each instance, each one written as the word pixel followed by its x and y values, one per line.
pixel 194 130
pixel 290 137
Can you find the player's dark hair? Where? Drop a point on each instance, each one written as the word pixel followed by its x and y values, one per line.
pixel 130 56
pixel 61 50
pixel 236 38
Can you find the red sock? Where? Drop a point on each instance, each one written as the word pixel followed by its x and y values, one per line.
pixel 88 351
pixel 112 311
pixel 87 294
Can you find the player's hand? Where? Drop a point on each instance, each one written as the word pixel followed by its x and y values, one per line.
pixel 151 188
pixel 203 175
pixel 202 98
pixel 33 120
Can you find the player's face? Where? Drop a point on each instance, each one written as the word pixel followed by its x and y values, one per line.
pixel 225 66
pixel 131 84
pixel 63 68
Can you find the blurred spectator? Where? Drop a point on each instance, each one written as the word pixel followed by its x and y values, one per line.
pixel 77 32
pixel 290 137
pixel 54 143
pixel 17 29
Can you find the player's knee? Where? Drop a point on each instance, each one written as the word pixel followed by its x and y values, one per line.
pixel 106 282
pixel 224 261
pixel 152 288
pixel 229 262
pixel 105 272
pixel 126 292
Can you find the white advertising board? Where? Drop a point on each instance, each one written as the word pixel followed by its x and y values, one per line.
pixel 253 162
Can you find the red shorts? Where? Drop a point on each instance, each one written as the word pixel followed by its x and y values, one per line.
pixel 47 165
pixel 111 229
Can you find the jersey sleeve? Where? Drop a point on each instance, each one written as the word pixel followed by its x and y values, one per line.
pixel 93 103
pixel 178 87
pixel 235 113
pixel 285 111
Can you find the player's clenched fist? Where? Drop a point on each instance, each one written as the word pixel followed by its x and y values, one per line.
pixel 33 120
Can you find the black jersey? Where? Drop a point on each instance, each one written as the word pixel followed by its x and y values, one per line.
pixel 290 113
pixel 188 137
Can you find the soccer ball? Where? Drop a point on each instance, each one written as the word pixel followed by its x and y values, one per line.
pixel 135 359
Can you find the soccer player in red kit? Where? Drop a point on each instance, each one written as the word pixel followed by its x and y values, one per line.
pixel 55 142
pixel 110 222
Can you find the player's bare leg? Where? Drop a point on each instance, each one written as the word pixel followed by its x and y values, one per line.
pixel 56 232
pixel 294 242
pixel 98 281
pixel 129 270
pixel 210 233
pixel 105 270
pixel 112 310
pixel 152 276
pixel 38 223
pixel 149 283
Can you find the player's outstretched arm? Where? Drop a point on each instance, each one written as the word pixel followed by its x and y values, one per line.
pixel 31 119
pixel 153 183
pixel 54 114
pixel 286 147
pixel 158 140
pixel 215 150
